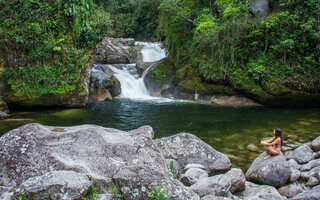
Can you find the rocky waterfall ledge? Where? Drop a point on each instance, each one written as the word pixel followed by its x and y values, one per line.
pixel 44 162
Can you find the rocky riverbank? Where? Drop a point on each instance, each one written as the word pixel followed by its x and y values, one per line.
pixel 40 162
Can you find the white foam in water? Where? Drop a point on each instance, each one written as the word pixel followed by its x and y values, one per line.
pixel 152 52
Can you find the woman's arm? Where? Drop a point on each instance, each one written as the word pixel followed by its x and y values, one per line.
pixel 273 143
pixel 268 141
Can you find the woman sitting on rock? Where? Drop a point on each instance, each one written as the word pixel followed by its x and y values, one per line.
pixel 273 146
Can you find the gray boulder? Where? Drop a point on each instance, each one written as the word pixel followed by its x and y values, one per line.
pixel 212 197
pixel 34 149
pixel 302 154
pixel 187 148
pixel 108 197
pixel 116 51
pixel 295 175
pixel 310 165
pixel 259 192
pixel 135 181
pixel 259 7
pixel 192 175
pixel 313 194
pixel 293 164
pixel 291 190
pixel 192 165
pixel 312 181
pixel 273 171
pixel 237 179
pixel 218 185
pixel 315 144
pixel 55 185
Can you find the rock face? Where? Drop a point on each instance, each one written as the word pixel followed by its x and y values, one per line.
pixel 116 51
pixel 257 192
pixel 62 185
pixel 129 160
pixel 259 7
pixel 273 171
pixel 103 85
pixel 302 154
pixel 187 148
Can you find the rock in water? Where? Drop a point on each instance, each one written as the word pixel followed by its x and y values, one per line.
pixel 302 154
pixel 273 171
pixel 187 148
pixel 313 194
pixel 59 185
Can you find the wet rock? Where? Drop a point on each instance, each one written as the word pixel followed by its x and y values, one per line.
pixel 116 51
pixel 273 171
pixel 135 181
pixel 310 165
pixel 108 197
pixel 259 7
pixel 189 166
pixel 302 154
pixel 313 194
pixel 315 144
pixel 291 190
pixel 237 179
pixel 295 175
pixel 218 185
pixel 192 175
pixel 187 148
pixel 255 192
pixel 252 147
pixel 62 185
pixel 5 193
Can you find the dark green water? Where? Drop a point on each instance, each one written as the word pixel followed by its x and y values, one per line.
pixel 227 129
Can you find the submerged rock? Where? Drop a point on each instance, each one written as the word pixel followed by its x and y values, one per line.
pixel 187 148
pixel 56 185
pixel 273 171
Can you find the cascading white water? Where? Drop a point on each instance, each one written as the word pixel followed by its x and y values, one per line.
pixel 132 86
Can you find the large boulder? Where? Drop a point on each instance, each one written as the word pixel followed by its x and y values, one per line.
pixel 187 148
pixel 129 160
pixel 218 185
pixel 259 192
pixel 56 185
pixel 273 171
pixel 103 85
pixel 313 194
pixel 302 154
pixel 116 51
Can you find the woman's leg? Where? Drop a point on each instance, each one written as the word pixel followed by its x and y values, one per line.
pixel 267 151
pixel 271 151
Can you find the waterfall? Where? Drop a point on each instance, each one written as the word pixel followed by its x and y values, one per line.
pixel 132 85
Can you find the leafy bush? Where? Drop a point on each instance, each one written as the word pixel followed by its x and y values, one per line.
pixel 158 193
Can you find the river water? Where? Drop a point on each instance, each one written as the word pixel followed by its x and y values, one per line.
pixel 228 129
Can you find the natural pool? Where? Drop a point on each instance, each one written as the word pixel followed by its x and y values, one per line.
pixel 227 129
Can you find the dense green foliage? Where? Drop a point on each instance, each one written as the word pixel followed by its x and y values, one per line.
pixel 158 193
pixel 222 42
pixel 44 45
